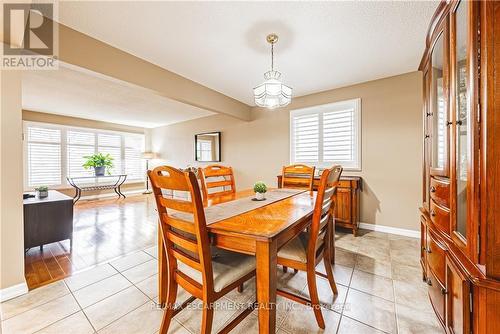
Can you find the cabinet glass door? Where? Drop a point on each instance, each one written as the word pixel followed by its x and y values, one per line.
pixel 462 117
pixel 438 102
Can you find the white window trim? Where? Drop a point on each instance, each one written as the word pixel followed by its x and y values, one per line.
pixel 64 129
pixel 356 167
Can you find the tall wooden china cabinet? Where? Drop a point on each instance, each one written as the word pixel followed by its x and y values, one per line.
pixel 460 220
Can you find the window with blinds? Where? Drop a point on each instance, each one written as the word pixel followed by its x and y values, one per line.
pixel 111 144
pixel 79 145
pixel 54 152
pixel 134 164
pixel 44 156
pixel 327 134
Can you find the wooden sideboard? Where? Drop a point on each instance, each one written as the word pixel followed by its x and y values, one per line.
pixel 347 202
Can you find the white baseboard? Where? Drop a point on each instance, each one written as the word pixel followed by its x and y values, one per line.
pixel 111 194
pixel 389 229
pixel 13 291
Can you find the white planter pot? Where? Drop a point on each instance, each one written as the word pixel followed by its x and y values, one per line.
pixel 42 194
pixel 259 196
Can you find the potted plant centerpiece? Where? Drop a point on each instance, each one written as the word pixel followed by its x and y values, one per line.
pixel 260 189
pixel 100 162
pixel 42 191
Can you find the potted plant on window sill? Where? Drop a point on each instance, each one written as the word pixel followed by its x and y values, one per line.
pixel 42 191
pixel 100 162
pixel 260 189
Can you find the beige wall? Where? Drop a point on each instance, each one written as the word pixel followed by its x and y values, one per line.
pixel 391 145
pixel 33 116
pixel 11 182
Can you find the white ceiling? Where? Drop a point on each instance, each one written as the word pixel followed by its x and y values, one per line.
pixel 81 93
pixel 323 45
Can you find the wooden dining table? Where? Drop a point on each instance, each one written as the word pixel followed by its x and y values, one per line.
pixel 260 232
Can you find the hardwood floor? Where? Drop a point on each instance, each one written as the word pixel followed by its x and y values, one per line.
pixel 103 230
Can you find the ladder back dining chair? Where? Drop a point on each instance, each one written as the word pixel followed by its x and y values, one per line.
pixel 191 262
pixel 310 247
pixel 217 177
pixel 298 176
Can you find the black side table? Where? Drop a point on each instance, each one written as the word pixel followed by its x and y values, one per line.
pixel 48 219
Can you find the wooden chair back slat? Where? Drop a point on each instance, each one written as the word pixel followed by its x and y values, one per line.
pixel 182 225
pixel 216 184
pixel 217 171
pixel 323 222
pixel 329 193
pixel 186 259
pixel 176 204
pixel 298 176
pixel 222 193
pixel 327 204
pixel 182 241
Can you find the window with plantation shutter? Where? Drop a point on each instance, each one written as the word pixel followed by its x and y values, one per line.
pixel 43 155
pixel 135 166
pixel 79 145
pixel 111 144
pixel 327 134
pixel 54 152
pixel 305 138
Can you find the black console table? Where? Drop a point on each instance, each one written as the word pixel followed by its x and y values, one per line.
pixel 86 186
pixel 47 220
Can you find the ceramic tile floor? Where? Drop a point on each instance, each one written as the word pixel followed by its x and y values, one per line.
pixel 378 276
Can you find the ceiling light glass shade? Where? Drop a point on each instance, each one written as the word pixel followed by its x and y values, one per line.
pixel 272 93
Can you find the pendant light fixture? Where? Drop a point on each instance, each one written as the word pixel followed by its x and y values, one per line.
pixel 272 93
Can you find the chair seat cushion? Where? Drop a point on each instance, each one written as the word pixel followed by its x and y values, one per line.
pixel 296 249
pixel 227 268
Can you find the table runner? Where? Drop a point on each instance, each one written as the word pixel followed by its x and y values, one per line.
pixel 230 209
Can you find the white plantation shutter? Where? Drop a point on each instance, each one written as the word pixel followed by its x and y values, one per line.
pixel 54 152
pixel 80 144
pixel 135 167
pixel 44 156
pixel 305 138
pixel 327 134
pixel 338 135
pixel 111 144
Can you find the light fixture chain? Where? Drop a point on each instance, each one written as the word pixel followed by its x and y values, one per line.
pixel 272 56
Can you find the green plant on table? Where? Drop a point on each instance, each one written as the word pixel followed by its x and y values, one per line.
pixel 42 188
pixel 98 160
pixel 260 187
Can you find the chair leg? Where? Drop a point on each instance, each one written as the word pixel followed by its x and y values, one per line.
pixel 313 293
pixel 168 312
pixel 207 318
pixel 327 259
pixel 329 274
pixel 240 288
pixel 285 269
